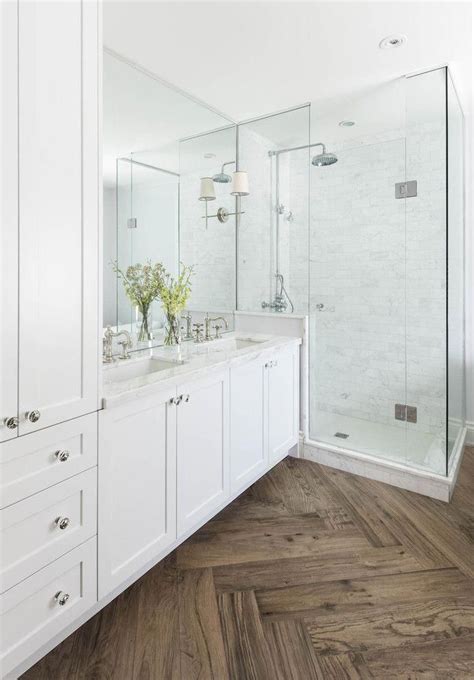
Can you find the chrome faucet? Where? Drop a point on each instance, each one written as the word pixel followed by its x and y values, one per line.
pixel 208 321
pixel 109 334
pixel 189 321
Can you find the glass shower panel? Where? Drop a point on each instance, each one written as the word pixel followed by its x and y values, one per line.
pixel 272 247
pixel 455 297
pixel 426 271
pixel 357 292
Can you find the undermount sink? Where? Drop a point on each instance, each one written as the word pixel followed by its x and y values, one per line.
pixel 230 344
pixel 136 369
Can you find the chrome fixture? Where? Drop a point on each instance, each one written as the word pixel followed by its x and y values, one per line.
pixel 222 177
pixel 392 41
pixel 176 401
pixel 62 522
pixel 61 598
pixel 11 423
pixel 63 455
pixel 109 334
pixel 223 215
pixel 346 123
pixel 320 160
pixel 189 320
pixel 282 299
pixel 33 416
pixel 208 321
pixel 198 332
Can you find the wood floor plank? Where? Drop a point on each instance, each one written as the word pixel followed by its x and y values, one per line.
pixel 157 645
pixel 292 651
pixel 360 507
pixel 351 559
pixel 345 667
pixel 394 626
pixel 247 649
pixel 446 660
pixel 347 595
pixel 202 647
pixel 370 506
pixel 257 539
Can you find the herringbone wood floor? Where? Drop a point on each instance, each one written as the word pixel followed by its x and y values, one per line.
pixel 312 573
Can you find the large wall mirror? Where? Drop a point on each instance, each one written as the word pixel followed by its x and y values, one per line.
pixel 158 145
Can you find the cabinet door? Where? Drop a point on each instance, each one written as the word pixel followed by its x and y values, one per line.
pixel 137 486
pixel 58 217
pixel 248 419
pixel 283 400
pixel 9 221
pixel 202 449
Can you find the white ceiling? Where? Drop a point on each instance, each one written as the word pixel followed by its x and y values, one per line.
pixel 247 59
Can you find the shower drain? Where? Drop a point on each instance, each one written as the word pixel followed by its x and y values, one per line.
pixel 341 435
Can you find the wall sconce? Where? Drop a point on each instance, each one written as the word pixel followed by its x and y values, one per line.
pixel 207 192
pixel 240 183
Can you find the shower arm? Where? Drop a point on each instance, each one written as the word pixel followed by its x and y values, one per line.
pixel 297 148
pixel 227 163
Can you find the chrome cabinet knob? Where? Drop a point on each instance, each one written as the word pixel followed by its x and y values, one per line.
pixel 33 416
pixel 11 423
pixel 61 598
pixel 62 522
pixel 186 398
pixel 63 455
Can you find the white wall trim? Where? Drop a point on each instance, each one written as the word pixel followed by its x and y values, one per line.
pixel 470 433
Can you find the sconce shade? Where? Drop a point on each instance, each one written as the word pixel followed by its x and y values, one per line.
pixel 207 189
pixel 240 183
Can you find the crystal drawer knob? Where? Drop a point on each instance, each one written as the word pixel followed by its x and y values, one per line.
pixel 11 423
pixel 63 455
pixel 33 416
pixel 62 522
pixel 61 598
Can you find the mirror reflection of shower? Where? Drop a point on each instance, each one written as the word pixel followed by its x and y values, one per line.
pixel 282 300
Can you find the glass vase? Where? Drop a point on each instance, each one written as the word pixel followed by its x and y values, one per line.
pixel 144 324
pixel 172 329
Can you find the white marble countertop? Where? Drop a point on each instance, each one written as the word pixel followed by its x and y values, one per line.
pixel 189 361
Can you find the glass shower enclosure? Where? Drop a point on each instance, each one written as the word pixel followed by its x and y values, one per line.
pixel 366 225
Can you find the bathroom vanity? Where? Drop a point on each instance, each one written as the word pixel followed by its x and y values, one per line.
pixel 180 441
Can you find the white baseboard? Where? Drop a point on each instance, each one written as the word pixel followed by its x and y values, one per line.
pixel 401 476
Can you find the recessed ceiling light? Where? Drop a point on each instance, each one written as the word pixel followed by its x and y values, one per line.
pixel 396 40
pixel 209 155
pixel 346 123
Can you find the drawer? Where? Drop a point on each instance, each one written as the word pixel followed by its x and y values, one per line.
pixel 35 461
pixel 41 528
pixel 31 612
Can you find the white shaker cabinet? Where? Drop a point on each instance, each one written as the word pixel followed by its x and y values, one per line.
pixel 137 486
pixel 202 449
pixel 248 422
pixel 283 402
pixel 53 363
pixel 9 222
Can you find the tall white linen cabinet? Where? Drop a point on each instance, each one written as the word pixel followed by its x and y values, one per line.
pixel 49 351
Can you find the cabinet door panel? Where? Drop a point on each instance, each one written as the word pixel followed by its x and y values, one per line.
pixel 137 486
pixel 283 399
pixel 248 431
pixel 58 198
pixel 9 220
pixel 202 449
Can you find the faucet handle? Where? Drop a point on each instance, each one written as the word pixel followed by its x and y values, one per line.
pixel 198 332
pixel 217 328
pixel 125 344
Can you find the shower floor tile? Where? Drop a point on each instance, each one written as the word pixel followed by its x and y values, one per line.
pixel 397 444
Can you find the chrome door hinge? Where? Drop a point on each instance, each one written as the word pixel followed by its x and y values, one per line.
pixel 406 189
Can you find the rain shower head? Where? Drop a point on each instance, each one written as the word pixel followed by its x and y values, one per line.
pixel 323 159
pixel 222 177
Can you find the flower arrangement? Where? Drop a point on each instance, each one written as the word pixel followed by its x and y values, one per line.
pixel 144 283
pixel 174 294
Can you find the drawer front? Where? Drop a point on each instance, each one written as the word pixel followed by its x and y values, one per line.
pixel 36 461
pixel 41 528
pixel 31 612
